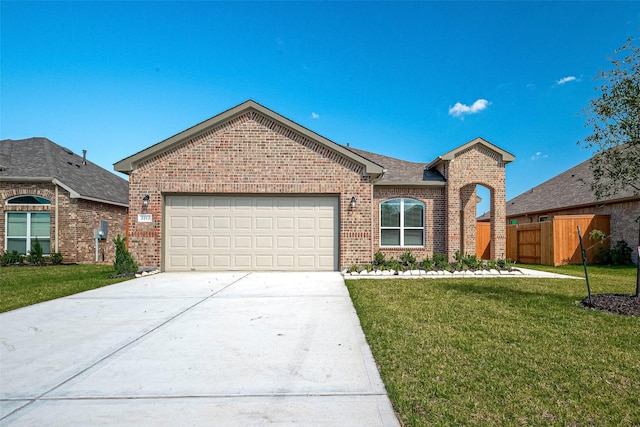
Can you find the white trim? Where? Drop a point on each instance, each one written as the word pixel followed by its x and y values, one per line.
pixel 28 237
pixel 75 195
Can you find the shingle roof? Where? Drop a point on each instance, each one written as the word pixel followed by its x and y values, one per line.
pixel 401 172
pixel 568 189
pixel 39 159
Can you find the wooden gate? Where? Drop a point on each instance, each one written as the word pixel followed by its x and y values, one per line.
pixel 555 242
pixel 483 240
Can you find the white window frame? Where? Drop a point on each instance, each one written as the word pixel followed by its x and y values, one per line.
pixel 28 236
pixel 402 227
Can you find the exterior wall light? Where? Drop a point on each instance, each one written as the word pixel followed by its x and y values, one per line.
pixel 353 202
pixel 145 202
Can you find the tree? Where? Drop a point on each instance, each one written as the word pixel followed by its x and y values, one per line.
pixel 615 119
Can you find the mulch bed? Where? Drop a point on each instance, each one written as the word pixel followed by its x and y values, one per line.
pixel 628 305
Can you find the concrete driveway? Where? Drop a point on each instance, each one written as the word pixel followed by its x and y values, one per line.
pixel 193 349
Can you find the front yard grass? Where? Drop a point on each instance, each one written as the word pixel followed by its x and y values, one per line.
pixel 504 351
pixel 23 286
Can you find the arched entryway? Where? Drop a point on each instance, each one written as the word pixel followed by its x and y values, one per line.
pixel 475 163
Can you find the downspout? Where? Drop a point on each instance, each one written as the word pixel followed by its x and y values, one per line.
pixel 56 221
pixel 374 227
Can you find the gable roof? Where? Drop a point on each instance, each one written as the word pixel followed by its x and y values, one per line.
pixel 506 157
pixel 41 160
pixel 569 189
pixel 128 164
pixel 400 172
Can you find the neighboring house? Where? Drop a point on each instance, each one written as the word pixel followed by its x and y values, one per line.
pixel 569 193
pixel 249 189
pixel 48 192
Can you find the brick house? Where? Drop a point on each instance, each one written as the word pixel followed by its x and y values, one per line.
pixel 570 194
pixel 48 192
pixel 249 189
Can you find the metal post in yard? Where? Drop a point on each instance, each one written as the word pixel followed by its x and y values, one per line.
pixel 584 264
pixel 638 272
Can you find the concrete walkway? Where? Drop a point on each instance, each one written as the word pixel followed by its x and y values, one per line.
pixel 516 272
pixel 232 349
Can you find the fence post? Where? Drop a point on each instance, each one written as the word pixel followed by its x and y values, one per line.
pixel 584 264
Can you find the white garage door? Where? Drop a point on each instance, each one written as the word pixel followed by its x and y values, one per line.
pixel 250 233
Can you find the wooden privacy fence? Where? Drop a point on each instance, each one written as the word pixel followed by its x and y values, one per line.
pixel 556 242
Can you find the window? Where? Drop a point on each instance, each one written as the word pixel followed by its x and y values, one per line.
pixel 402 223
pixel 24 227
pixel 28 200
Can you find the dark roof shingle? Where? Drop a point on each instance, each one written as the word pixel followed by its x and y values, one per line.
pixel 401 172
pixel 36 158
pixel 571 188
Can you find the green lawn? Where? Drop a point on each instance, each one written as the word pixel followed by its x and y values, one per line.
pixel 22 286
pixel 504 351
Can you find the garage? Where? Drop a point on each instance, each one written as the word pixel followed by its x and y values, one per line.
pixel 250 232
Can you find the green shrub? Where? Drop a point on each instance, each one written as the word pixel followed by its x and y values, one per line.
pixel 427 264
pixel 468 262
pixel 35 254
pixel 393 264
pixel 354 269
pixel 10 258
pixel 441 262
pixel 492 264
pixel 504 264
pixel 124 262
pixel 56 258
pixel 379 259
pixel 407 260
pixel 620 254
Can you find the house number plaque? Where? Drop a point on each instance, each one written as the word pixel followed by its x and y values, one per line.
pixel 145 217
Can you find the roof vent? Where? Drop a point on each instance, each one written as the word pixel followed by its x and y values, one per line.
pixel 84 157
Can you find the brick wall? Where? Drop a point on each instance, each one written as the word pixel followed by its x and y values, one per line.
pixel 434 200
pixel 89 214
pixel 250 154
pixel 76 222
pixel 475 165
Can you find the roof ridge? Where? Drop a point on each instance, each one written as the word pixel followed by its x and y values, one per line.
pixel 356 150
pixel 50 161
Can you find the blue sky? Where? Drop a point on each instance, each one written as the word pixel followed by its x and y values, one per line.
pixel 411 80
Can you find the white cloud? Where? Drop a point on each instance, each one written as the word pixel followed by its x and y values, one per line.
pixel 539 155
pixel 315 115
pixel 566 80
pixel 460 110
